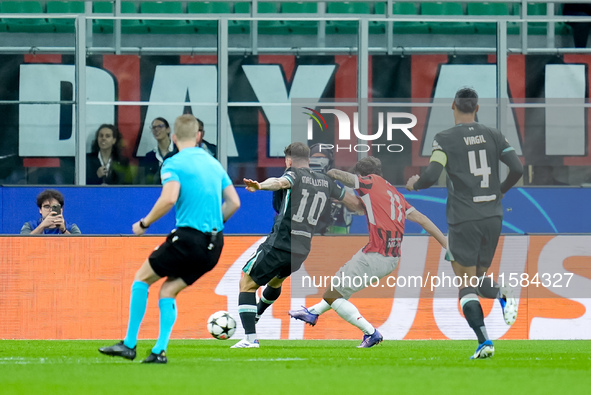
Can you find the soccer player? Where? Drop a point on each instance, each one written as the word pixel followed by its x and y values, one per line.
pixel 195 184
pixel 470 153
pixel 289 242
pixel 386 211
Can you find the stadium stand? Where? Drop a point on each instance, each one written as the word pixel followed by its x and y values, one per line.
pixel 64 7
pixel 25 25
pixel 403 8
pixel 127 25
pixel 165 26
pixel 449 9
pixel 300 27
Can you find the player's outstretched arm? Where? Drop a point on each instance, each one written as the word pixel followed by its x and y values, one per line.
pixel 231 202
pixel 428 225
pixel 168 197
pixel 346 178
pixel 512 161
pixel 270 184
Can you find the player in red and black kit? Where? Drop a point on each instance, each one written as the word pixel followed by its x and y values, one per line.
pixel 470 153
pixel 386 211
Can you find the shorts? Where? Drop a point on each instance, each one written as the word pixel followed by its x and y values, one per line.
pixel 473 243
pixel 269 262
pixel 185 254
pixel 355 275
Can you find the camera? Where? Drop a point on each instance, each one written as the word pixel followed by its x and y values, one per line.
pixel 56 208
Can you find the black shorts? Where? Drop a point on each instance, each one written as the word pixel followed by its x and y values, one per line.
pixel 269 262
pixel 473 243
pixel 185 254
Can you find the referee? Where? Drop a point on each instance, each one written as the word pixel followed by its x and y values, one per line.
pixel 195 184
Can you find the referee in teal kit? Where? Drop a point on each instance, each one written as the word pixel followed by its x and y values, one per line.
pixel 195 184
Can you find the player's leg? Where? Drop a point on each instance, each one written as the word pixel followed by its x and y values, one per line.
pixel 488 288
pixel 349 312
pixel 168 314
pixel 247 309
pixel 247 302
pixel 144 277
pixel 464 243
pixel 310 315
pixel 361 266
pixel 270 294
pixel 285 264
pixel 469 301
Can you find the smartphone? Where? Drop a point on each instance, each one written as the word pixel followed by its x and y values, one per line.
pixel 56 208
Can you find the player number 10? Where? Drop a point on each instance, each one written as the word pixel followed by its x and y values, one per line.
pixel 314 213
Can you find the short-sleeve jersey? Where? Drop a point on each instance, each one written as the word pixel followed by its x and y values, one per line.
pixel 202 179
pixel 386 211
pixel 474 188
pixel 305 202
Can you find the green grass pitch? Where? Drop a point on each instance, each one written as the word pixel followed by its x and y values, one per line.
pixel 298 367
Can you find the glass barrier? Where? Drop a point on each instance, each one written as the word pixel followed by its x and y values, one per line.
pixel 169 67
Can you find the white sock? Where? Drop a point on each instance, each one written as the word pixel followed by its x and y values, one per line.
pixel 251 337
pixel 319 308
pixel 347 311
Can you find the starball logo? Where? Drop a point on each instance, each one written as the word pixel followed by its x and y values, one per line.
pixel 344 129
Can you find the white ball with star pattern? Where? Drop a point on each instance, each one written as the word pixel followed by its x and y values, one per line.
pixel 221 325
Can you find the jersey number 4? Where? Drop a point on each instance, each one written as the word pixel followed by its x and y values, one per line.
pixel 315 209
pixel 483 171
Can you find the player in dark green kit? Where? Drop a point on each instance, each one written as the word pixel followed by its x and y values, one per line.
pixel 470 153
pixel 308 196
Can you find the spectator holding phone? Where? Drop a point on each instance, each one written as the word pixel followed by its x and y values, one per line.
pixel 51 222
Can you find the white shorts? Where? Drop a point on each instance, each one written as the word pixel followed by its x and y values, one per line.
pixel 355 275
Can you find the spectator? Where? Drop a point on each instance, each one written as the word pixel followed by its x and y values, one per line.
pixel 206 145
pixel 580 29
pixel 51 222
pixel 152 162
pixel 105 164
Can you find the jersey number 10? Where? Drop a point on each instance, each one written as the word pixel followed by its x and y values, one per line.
pixel 314 211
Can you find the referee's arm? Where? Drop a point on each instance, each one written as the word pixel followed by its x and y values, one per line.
pixel 431 174
pixel 231 202
pixel 168 197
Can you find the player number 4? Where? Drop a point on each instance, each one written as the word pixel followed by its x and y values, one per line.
pixel 483 171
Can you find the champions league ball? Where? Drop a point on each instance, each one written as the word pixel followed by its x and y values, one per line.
pixel 221 325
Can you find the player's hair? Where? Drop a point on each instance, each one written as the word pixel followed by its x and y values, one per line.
pixel 201 129
pixel 368 165
pixel 50 194
pixel 466 100
pixel 164 121
pixel 116 150
pixel 186 127
pixel 297 151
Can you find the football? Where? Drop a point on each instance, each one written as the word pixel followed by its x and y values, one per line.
pixel 221 325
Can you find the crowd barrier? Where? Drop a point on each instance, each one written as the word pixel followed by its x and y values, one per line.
pixel 112 210
pixel 79 288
